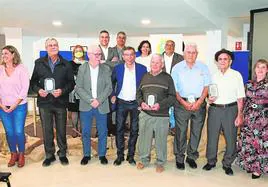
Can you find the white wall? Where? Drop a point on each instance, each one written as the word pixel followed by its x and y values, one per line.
pixel 202 45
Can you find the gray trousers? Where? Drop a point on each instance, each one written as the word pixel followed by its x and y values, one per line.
pixel 182 117
pixel 149 126
pixel 221 119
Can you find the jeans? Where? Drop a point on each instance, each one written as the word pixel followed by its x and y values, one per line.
pixel 48 115
pixel 14 126
pixel 121 114
pixel 101 124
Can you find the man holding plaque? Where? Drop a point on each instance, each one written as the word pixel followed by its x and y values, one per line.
pixel 225 112
pixel 155 95
pixel 53 80
pixel 191 79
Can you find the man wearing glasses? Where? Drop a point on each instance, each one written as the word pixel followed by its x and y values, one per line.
pixel 53 80
pixel 93 87
pixel 126 79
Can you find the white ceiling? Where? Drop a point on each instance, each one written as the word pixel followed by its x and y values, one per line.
pixel 83 18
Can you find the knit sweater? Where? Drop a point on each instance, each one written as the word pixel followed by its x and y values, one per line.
pixel 162 87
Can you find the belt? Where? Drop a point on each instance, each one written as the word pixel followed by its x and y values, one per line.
pixel 185 99
pixel 224 105
pixel 261 106
pixel 127 102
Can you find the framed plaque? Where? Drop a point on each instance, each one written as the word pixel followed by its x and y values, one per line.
pixel 213 90
pixel 191 98
pixel 151 100
pixel 49 85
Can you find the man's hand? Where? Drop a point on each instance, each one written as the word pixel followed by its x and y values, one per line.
pixel 113 99
pixel 144 106
pixel 114 59
pixel 56 93
pixel 211 99
pixel 196 105
pixel 95 103
pixel 155 107
pixel 42 93
pixel 187 105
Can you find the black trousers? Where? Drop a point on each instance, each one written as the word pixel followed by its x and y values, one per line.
pixel 123 107
pixel 48 115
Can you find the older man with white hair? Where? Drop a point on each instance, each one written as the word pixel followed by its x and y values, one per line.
pixel 155 95
pixel 225 112
pixel 93 87
pixel 191 79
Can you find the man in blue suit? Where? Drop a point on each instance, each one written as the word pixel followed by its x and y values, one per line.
pixel 126 79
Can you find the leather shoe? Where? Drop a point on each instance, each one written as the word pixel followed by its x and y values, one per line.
pixel 48 161
pixel 85 160
pixel 208 166
pixel 180 166
pixel 118 161
pixel 253 176
pixel 191 163
pixel 64 160
pixel 103 160
pixel 131 160
pixel 228 170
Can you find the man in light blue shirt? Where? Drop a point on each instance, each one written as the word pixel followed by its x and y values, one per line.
pixel 191 79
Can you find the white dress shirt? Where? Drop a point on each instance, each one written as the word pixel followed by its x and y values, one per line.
pixel 105 51
pixel 94 73
pixel 128 90
pixel 146 61
pixel 168 62
pixel 230 86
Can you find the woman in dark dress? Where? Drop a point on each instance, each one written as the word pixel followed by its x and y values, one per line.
pixel 253 142
pixel 73 106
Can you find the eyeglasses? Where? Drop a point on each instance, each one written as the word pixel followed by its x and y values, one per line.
pixel 52 45
pixel 191 53
pixel 129 54
pixel 96 54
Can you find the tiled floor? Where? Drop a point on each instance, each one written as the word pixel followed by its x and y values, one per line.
pixel 96 175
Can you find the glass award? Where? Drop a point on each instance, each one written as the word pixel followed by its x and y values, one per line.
pixel 151 100
pixel 49 85
pixel 213 90
pixel 191 98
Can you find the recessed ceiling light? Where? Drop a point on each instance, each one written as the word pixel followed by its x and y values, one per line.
pixel 145 21
pixel 57 23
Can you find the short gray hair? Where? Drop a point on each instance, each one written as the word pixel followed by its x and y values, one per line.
pixel 191 44
pixel 158 55
pixel 50 39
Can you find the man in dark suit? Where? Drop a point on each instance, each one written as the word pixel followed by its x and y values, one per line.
pixel 126 79
pixel 109 56
pixel 120 44
pixel 93 86
pixel 170 57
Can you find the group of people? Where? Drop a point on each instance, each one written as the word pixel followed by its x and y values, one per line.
pixel 113 84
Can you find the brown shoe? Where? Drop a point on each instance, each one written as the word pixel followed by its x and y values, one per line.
pixel 13 159
pixel 21 161
pixel 159 169
pixel 140 166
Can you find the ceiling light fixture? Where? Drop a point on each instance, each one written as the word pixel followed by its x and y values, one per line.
pixel 57 23
pixel 145 21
